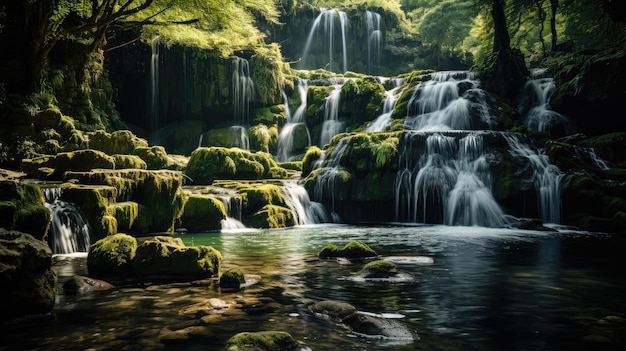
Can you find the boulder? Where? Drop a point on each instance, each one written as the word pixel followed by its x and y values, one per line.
pixel 232 278
pixel 353 249
pixel 271 216
pixel 203 213
pixel 112 256
pixel 167 257
pixel 81 284
pixel 27 280
pixel 264 341
pixel 378 269
pixel 22 208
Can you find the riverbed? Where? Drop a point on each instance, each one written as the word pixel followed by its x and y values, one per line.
pixel 463 288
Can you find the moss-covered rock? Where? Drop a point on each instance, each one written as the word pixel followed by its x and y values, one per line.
pixel 203 213
pixel 263 138
pixel 378 269
pixel 169 257
pixel 312 155
pixel 154 156
pixel 353 249
pixel 93 200
pixel 82 161
pixel 118 142
pixel 208 164
pixel 232 278
pixel 125 215
pixel 27 281
pixel 112 256
pixel 22 208
pixel 276 114
pixel 263 341
pixel 271 216
pixel 129 162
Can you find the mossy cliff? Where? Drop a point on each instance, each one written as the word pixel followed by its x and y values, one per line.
pixel 22 208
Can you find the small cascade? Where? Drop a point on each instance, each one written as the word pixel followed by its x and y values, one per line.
pixel 330 178
pixel 547 179
pixel 233 205
pixel 374 40
pixel 154 87
pixel 239 137
pixel 382 122
pixel 535 106
pixel 445 178
pixel 449 100
pixel 243 90
pixel 324 26
pixel 304 210
pixel 332 125
pixel 295 123
pixel 69 230
pixel 589 154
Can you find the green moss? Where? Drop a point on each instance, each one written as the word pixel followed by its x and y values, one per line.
pixel 129 162
pixel 118 142
pixel 203 213
pixel 259 138
pixel 353 249
pixel 292 165
pixel 155 156
pixel 379 269
pixel 22 208
pixel 81 161
pixel 271 216
pixel 232 278
pixel 312 155
pixel 125 214
pixel 262 341
pixel 112 256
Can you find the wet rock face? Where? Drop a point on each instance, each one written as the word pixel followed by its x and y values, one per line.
pixel 367 324
pixel 27 281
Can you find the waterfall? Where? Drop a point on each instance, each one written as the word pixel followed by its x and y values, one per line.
pixel 332 125
pixel 445 178
pixel 535 105
pixel 547 179
pixel 330 178
pixel 243 90
pixel 239 137
pixel 233 205
pixel 69 230
pixel 304 210
pixel 285 147
pixel 382 122
pixel 374 39
pixel 324 25
pixel 154 85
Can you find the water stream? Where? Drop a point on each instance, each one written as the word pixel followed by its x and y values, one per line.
pixel 469 288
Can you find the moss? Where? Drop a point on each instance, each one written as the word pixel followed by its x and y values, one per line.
pixel 155 156
pixel 379 269
pixel 208 164
pixel 112 256
pixel 312 155
pixel 118 142
pixel 353 249
pixel 262 341
pixel 292 165
pixel 232 278
pixel 129 162
pixel 81 161
pixel 203 213
pixel 22 208
pixel 609 146
pixel 259 138
pixel 271 216
pixel 270 115
pixel 167 256
pixel 125 214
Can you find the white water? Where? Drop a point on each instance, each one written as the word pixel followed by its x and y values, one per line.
pixel 374 40
pixel 331 125
pixel 154 87
pixel 382 122
pixel 324 26
pixel 535 105
pixel 69 231
pixel 304 210
pixel 445 179
pixel 243 90
pixel 239 137
pixel 547 179
pixel 285 147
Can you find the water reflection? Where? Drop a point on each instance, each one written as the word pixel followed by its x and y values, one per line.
pixel 471 289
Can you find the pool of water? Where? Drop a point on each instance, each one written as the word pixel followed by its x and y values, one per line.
pixel 464 288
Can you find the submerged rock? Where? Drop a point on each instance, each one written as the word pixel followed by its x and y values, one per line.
pixel 379 269
pixel 264 341
pixel 232 278
pixel 82 284
pixel 353 249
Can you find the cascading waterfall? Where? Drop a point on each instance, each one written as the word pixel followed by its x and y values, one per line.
pixel 449 100
pixel 332 125
pixel 154 87
pixel 331 177
pixel 324 26
pixel 69 231
pixel 535 105
pixel 445 178
pixel 243 94
pixel 304 210
pixel 285 147
pixel 547 179
pixel 382 122
pixel 233 206
pixel 374 40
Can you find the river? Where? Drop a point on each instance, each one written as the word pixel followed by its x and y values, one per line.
pixel 465 288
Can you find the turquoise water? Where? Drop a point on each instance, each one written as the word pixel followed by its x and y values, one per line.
pixel 464 288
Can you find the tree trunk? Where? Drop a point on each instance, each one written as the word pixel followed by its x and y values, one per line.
pixel 501 38
pixel 554 5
